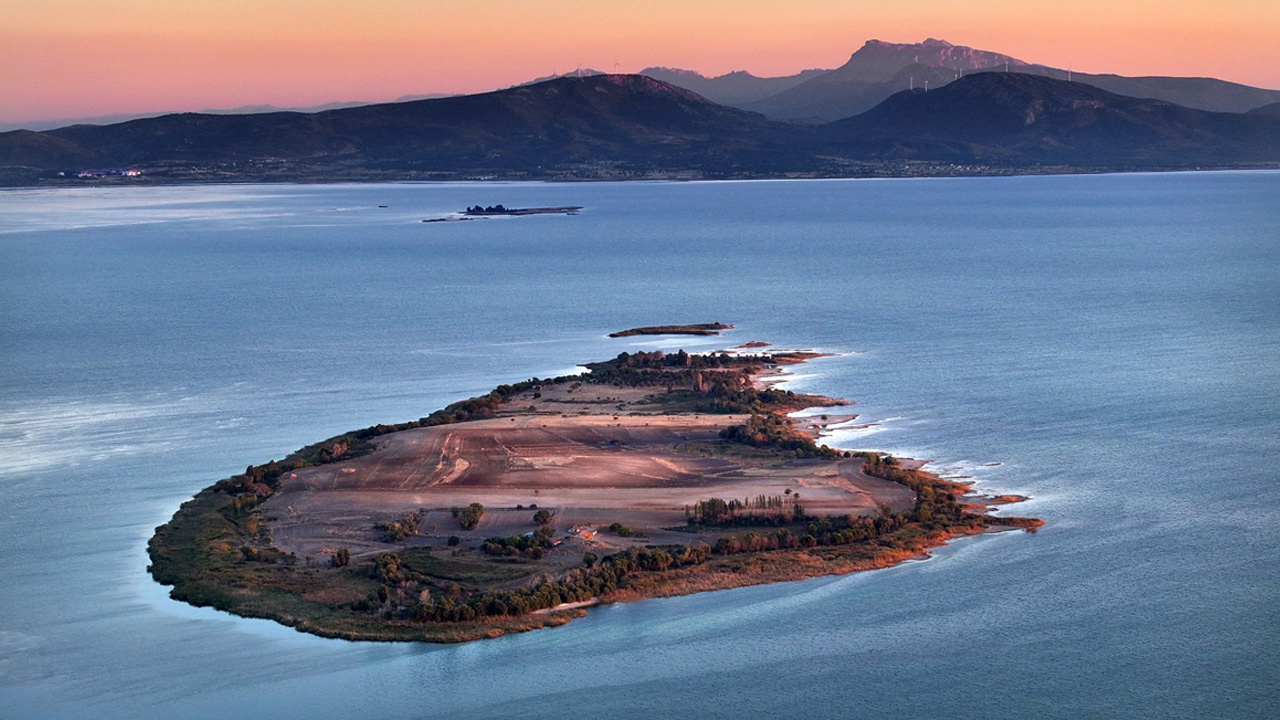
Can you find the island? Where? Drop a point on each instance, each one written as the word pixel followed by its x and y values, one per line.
pixel 481 211
pixel 690 329
pixel 648 475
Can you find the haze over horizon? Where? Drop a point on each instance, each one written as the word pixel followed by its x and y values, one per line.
pixel 75 58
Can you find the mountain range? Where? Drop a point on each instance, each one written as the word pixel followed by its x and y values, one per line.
pixel 879 69
pixel 978 112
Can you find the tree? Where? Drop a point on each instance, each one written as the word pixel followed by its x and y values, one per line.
pixel 470 517
pixel 341 558
pixel 387 568
pixel 543 517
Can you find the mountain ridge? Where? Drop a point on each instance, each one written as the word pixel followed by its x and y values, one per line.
pixel 610 127
pixel 736 89
pixel 1029 119
pixel 625 121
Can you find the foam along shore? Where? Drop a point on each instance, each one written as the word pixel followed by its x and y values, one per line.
pixel 650 475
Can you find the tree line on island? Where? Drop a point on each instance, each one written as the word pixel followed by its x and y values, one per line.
pixel 937 509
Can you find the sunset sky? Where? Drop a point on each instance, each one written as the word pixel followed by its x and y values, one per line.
pixel 83 58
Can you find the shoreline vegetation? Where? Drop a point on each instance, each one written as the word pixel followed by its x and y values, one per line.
pixel 650 475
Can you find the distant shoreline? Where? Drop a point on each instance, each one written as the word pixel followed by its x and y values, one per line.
pixel 886 171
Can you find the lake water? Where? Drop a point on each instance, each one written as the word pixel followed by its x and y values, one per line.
pixel 1112 342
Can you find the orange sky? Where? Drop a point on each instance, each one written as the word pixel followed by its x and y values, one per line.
pixel 81 58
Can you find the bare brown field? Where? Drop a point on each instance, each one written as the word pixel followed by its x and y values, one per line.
pixel 590 469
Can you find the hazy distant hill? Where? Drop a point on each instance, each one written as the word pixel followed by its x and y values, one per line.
pixel 1271 110
pixel 1022 119
pixel 243 110
pixel 877 70
pixel 41 150
pixel 1193 92
pixel 734 89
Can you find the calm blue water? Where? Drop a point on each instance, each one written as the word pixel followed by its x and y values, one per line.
pixel 1110 341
